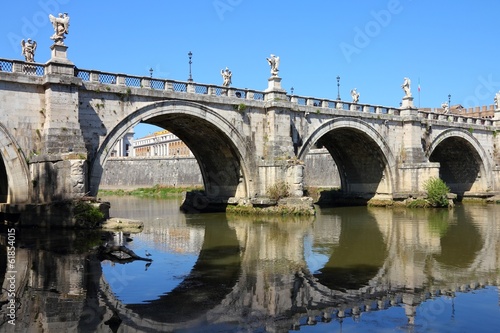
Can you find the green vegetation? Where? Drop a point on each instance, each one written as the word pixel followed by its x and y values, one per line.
pixel 87 214
pixel 418 203
pixel 240 107
pixel 156 191
pixel 278 191
pixel 437 192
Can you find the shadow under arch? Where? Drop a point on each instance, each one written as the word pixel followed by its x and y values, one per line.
pixel 221 151
pixel 14 173
pixel 462 162
pixel 212 278
pixel 361 154
pixel 359 255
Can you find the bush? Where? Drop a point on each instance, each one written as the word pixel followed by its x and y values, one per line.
pixel 437 192
pixel 87 215
pixel 279 190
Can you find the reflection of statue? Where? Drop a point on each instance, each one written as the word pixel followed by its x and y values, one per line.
pixel 28 50
pixel 406 87
pixel 274 62
pixel 497 100
pixel 354 95
pixel 446 107
pixel 226 76
pixel 61 26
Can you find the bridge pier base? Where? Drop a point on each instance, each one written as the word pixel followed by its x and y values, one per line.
pixel 58 177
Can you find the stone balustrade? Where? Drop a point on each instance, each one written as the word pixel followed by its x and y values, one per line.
pixel 18 66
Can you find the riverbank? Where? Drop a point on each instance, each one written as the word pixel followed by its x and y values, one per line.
pixel 156 191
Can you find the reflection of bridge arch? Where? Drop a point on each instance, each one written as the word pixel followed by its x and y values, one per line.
pixel 463 161
pixel 14 173
pixel 361 154
pixel 222 154
pixel 212 278
pixel 358 255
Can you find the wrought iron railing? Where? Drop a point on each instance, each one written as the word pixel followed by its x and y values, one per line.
pixel 17 66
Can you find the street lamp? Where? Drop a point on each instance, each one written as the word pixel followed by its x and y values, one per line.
pixel 449 101
pixel 338 88
pixel 151 72
pixel 190 55
pixel 291 90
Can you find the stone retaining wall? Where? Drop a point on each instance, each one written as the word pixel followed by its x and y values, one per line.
pixel 133 172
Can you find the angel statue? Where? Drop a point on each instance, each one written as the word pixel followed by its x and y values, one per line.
pixel 406 87
pixel 355 95
pixel 61 26
pixel 226 76
pixel 274 62
pixel 446 107
pixel 28 50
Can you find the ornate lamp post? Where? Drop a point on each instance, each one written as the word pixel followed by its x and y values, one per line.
pixel 338 88
pixel 291 90
pixel 151 72
pixel 190 55
pixel 449 101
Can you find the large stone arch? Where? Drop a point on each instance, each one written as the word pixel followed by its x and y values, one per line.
pixel 221 151
pixel 464 164
pixel 16 173
pixel 366 164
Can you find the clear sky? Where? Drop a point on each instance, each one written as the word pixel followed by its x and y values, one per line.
pixel 450 46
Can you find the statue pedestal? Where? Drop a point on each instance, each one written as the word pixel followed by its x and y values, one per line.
pixel 274 84
pixel 59 53
pixel 59 63
pixel 407 103
pixel 274 90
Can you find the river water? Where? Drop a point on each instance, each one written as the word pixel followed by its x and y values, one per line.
pixel 354 269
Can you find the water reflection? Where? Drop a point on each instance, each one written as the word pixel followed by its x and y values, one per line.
pixel 211 272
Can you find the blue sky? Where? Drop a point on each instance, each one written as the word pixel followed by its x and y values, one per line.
pixel 450 46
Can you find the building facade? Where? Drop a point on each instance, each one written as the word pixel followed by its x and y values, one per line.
pixel 161 143
pixel 124 146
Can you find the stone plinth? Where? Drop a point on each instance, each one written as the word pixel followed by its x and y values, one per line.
pixel 59 63
pixel 274 90
pixel 59 53
pixel 407 107
pixel 407 103
pixel 274 84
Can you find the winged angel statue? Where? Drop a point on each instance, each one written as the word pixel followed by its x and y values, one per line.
pixel 274 62
pixel 61 26
pixel 28 50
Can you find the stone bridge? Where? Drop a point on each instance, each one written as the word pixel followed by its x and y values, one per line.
pixel 59 124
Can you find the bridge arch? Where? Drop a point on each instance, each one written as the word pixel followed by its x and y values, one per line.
pixel 464 165
pixel 14 172
pixel 221 151
pixel 360 152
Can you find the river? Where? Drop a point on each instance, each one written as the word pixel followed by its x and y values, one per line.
pixel 352 269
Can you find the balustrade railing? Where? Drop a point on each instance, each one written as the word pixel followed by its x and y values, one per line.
pixel 18 66
pixel 455 118
pixel 36 69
